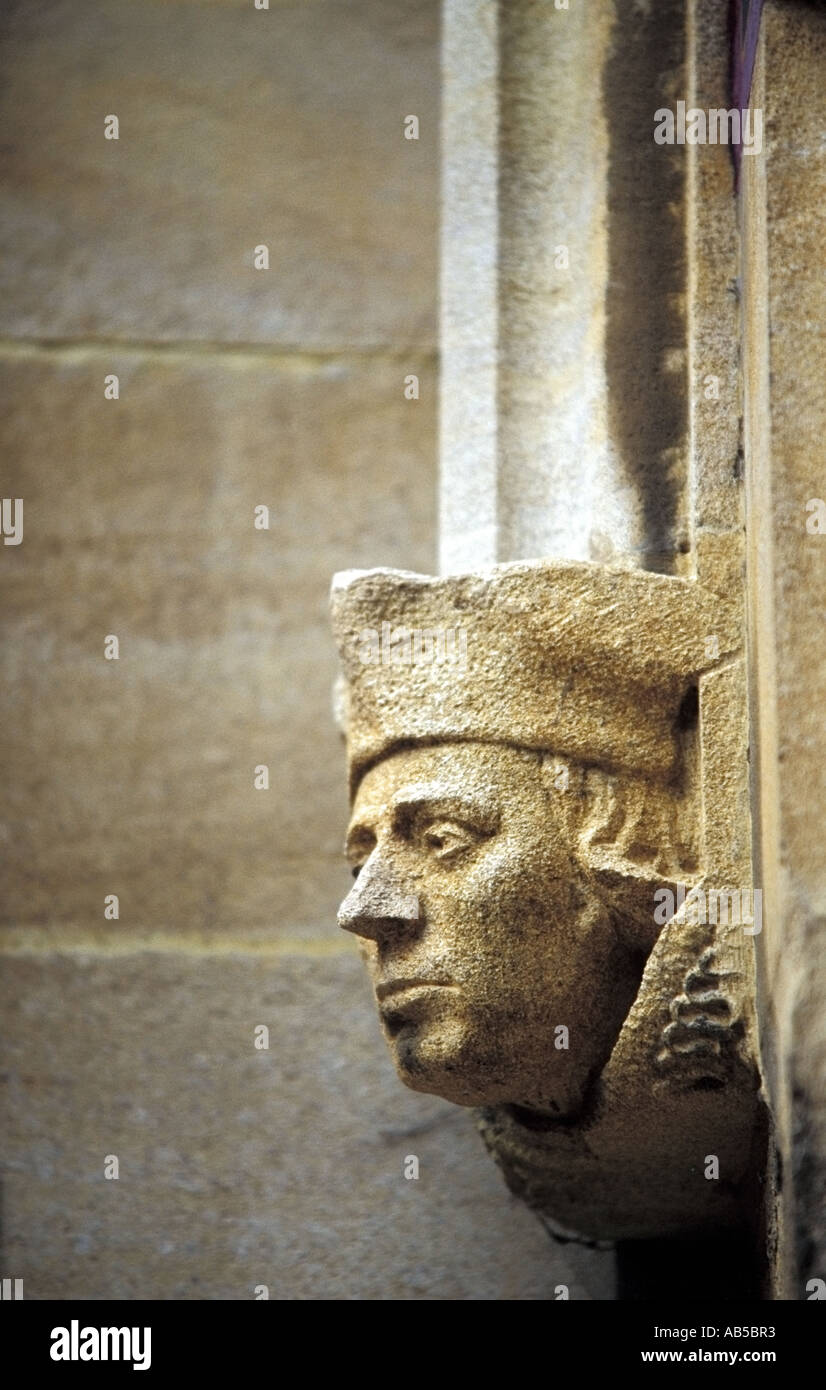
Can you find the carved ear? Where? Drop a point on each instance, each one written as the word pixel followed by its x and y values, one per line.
pixel 636 837
pixel 637 899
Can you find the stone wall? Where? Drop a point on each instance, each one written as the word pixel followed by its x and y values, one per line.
pixel 785 418
pixel 238 387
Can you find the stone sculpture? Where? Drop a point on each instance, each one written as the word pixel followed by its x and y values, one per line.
pixel 524 800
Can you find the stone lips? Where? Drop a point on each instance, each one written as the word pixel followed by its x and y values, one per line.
pixel 574 658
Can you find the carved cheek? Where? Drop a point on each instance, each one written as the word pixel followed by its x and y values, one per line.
pixel 509 872
pixel 479 905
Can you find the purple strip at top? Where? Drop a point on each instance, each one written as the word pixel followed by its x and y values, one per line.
pixel 746 27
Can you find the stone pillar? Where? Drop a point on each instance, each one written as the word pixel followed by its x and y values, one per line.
pixel 564 426
pixel 784 322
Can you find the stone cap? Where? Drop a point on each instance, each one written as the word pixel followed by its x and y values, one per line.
pixel 578 659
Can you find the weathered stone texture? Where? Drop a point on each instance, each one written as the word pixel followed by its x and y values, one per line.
pixel 238 1166
pixel 785 298
pixel 516 816
pixel 135 776
pixel 564 414
pixel 238 127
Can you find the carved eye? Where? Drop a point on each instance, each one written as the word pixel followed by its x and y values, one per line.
pixel 358 852
pixel 443 839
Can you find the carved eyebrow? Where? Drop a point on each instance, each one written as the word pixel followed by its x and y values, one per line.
pixel 415 805
pixel 358 837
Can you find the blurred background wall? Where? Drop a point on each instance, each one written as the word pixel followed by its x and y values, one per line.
pixel 238 388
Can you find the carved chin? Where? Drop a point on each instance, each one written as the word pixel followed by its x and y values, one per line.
pixel 443 1058
pixel 433 1055
pixel 446 1057
pixel 426 1068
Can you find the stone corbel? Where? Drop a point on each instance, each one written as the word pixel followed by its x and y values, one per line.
pixel 548 775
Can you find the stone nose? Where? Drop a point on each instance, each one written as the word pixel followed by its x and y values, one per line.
pixel 378 904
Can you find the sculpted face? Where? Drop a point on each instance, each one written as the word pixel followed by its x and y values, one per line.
pixel 484 939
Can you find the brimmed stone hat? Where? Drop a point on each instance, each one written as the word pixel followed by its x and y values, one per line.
pixel 586 662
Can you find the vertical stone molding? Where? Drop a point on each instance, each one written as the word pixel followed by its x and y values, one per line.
pixel 563 400
pixel 783 216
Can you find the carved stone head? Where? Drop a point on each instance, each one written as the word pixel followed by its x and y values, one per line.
pixel 488 943
pixel 523 763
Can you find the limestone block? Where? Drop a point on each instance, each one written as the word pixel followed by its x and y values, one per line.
pixel 299 1184
pixel 237 128
pixel 136 776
